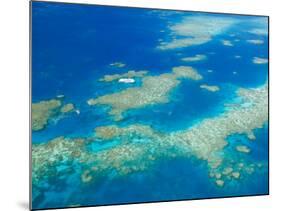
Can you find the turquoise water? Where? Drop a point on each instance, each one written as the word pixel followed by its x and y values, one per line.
pixel 72 47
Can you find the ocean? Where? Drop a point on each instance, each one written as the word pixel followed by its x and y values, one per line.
pixel 72 48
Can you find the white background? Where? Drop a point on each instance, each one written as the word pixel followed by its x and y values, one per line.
pixel 14 104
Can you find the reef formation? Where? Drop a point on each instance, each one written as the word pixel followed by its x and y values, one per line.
pixel 129 74
pixel 194 31
pixel 117 64
pixel 43 111
pixel 154 90
pixel 210 88
pixel 258 60
pixel 255 42
pixel 227 43
pixel 139 146
pixel 196 58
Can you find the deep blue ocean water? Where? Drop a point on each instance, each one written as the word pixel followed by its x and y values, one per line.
pixel 72 47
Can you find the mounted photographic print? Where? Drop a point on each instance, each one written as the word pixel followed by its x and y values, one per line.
pixel 136 105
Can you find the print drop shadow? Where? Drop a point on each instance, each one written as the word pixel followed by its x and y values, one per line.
pixel 23 205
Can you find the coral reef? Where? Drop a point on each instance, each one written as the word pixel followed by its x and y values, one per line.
pixel 202 31
pixel 67 108
pixel 255 42
pixel 118 64
pixel 243 149
pixel 109 132
pixel 154 90
pixel 236 175
pixel 227 43
pixel 47 157
pixel 196 58
pixel 220 182
pixel 210 88
pixel 43 111
pixel 259 31
pixel 129 74
pixel 141 145
pixel 187 72
pixel 257 60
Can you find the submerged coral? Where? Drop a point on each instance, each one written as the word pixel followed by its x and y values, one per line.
pixel 210 88
pixel 257 60
pixel 243 149
pixel 236 175
pixel 220 182
pixel 43 111
pixel 255 42
pixel 227 43
pixel 118 64
pixel 196 31
pixel 67 108
pixel 259 31
pixel 109 132
pixel 129 74
pixel 47 157
pixel 213 132
pixel 196 58
pixel 154 90
pixel 141 145
pixel 187 72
